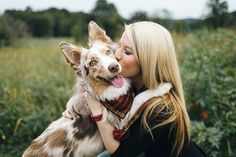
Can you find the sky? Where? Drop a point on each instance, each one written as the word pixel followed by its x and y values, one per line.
pixel 178 9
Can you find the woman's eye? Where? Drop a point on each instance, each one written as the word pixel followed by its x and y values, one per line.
pixel 92 63
pixel 128 52
pixel 108 52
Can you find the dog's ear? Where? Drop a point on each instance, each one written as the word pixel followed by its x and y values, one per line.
pixel 71 53
pixel 97 33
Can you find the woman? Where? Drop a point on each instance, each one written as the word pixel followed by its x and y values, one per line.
pixel 147 57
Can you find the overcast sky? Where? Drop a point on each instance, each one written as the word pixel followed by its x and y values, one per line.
pixel 177 8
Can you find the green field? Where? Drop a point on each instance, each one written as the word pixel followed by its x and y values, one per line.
pixel 35 84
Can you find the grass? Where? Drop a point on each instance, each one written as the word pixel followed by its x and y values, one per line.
pixel 35 84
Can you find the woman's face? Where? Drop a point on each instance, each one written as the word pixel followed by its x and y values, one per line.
pixel 126 58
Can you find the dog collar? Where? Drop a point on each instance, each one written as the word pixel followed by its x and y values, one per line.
pixel 120 106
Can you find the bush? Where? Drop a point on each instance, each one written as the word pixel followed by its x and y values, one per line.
pixel 208 72
pixel 11 29
pixel 6 32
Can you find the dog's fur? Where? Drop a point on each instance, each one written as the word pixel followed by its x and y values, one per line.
pixel 80 137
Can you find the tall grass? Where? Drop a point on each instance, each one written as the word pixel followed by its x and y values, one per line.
pixel 35 84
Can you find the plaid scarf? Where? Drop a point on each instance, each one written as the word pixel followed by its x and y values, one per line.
pixel 121 134
pixel 121 106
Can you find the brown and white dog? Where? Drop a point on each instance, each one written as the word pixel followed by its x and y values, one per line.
pixel 98 72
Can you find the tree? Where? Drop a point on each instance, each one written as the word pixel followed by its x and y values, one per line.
pixel 139 16
pixel 61 21
pixel 218 13
pixel 80 29
pixel 180 26
pixel 106 15
pixel 40 25
pixel 11 29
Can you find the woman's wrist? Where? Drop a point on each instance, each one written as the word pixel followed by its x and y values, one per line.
pixel 96 118
pixel 96 111
pixel 94 104
pixel 99 115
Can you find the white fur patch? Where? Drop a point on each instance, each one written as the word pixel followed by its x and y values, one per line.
pixel 54 151
pixel 87 147
pixel 105 60
pixel 148 94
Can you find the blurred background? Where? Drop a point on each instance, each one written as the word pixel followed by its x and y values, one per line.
pixel 36 83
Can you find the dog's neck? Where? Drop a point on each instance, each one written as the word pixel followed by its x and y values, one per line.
pixel 104 92
pixel 116 100
pixel 120 106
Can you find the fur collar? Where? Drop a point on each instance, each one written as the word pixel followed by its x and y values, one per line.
pixel 144 96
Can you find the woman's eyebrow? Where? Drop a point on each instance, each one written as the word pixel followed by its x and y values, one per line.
pixel 127 47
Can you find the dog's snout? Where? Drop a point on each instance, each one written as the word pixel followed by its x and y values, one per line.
pixel 113 67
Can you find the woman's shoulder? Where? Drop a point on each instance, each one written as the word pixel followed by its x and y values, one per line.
pixel 160 109
pixel 159 115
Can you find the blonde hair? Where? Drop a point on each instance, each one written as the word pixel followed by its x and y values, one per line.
pixel 153 46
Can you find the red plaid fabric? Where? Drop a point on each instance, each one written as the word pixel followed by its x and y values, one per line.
pixel 121 106
pixel 120 135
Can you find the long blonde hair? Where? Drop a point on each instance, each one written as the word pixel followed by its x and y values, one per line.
pixel 154 49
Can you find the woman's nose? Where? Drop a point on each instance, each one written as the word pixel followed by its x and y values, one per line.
pixel 118 55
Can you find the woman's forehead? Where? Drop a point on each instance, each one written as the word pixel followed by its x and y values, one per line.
pixel 124 40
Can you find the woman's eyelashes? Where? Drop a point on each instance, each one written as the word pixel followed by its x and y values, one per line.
pixel 124 49
pixel 128 52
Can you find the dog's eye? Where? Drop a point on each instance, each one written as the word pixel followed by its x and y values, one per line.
pixel 92 63
pixel 108 52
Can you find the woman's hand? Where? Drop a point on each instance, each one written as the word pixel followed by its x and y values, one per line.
pixel 95 106
pixel 105 128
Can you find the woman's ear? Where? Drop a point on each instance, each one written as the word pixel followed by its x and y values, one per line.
pixel 71 53
pixel 97 33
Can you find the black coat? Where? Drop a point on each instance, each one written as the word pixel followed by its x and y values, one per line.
pixel 139 141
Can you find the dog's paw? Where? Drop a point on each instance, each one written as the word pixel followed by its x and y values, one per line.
pixel 70 115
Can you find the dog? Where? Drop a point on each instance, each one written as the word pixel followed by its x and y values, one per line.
pixel 97 71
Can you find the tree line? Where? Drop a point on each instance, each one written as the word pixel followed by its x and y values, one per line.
pixel 60 22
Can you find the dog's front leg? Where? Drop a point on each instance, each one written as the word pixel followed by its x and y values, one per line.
pixel 70 111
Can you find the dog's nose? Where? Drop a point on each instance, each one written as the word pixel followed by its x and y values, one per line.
pixel 113 67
